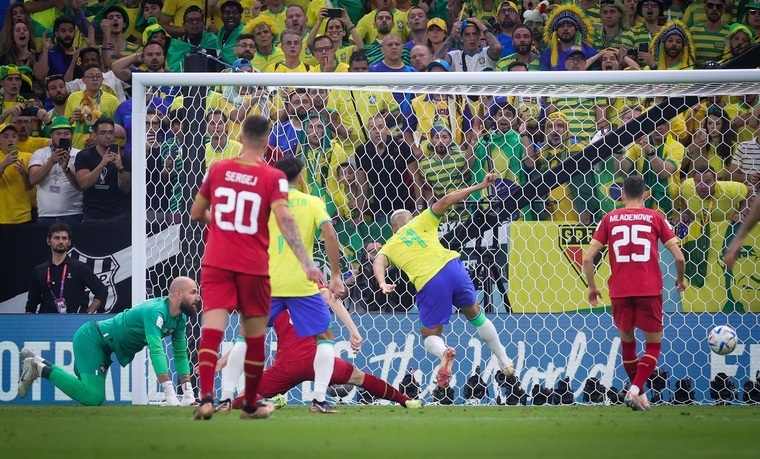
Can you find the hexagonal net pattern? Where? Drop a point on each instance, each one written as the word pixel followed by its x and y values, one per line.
pixel 560 154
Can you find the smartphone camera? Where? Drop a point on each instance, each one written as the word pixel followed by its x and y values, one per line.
pixel 30 111
pixel 334 13
pixel 113 148
pixel 643 47
pixel 64 144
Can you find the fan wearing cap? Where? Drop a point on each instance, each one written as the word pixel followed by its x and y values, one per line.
pixel 12 78
pixel 696 12
pixel 752 15
pixel 566 27
pixel 738 40
pixel 472 57
pixel 51 170
pixel 15 196
pixel 114 22
pixel 673 47
pixel 614 19
pixel 638 39
pixel 194 37
pixel 436 34
pixel 709 37
pixel 575 200
pixel 446 169
pixel 28 129
pixel 522 38
pixel 508 17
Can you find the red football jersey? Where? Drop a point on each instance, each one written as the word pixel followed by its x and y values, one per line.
pixel 291 347
pixel 631 236
pixel 241 196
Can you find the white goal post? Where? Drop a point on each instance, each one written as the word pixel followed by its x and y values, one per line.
pixel 590 345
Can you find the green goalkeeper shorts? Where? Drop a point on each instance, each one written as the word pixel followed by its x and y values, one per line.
pixel 91 354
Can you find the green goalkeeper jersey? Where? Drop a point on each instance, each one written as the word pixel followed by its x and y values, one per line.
pixel 148 323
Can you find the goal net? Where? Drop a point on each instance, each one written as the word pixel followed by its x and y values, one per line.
pixel 561 144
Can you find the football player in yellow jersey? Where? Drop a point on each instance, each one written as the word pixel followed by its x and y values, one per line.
pixel 295 292
pixel 439 277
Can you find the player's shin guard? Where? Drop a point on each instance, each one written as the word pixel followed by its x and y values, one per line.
pixel 231 375
pixel 630 359
pixel 324 362
pixel 489 335
pixel 254 367
pixel 647 364
pixel 208 355
pixel 381 389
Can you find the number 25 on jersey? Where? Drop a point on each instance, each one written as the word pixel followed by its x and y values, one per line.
pixel 632 238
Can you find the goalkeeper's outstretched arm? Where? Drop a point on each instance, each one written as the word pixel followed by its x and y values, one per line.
pixel 447 202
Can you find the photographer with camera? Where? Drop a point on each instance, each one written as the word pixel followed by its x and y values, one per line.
pixel 101 172
pixel 51 170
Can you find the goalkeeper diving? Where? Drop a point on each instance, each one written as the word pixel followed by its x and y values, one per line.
pixel 124 335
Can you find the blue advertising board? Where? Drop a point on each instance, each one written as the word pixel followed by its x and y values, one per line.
pixel 545 348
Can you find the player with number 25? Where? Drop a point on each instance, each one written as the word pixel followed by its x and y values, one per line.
pixel 235 200
pixel 632 234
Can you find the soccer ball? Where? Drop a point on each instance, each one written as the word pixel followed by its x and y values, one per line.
pixel 722 339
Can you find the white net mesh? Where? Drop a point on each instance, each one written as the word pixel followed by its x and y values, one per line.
pixel 371 148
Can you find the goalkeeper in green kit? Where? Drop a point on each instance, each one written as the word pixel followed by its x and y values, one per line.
pixel 125 334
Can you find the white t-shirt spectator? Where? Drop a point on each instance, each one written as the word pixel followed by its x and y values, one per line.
pixel 56 196
pixel 463 62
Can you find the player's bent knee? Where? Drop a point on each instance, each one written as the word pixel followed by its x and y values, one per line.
pixel 93 400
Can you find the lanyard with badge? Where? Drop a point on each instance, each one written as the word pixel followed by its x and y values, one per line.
pixel 60 301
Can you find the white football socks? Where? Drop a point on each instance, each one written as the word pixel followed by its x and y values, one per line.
pixel 324 362
pixel 231 374
pixel 490 336
pixel 435 345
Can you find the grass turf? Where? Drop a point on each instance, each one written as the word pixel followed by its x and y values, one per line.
pixel 381 431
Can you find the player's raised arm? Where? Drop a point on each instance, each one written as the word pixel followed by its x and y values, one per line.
pixel 378 267
pixel 292 236
pixel 449 200
pixel 590 271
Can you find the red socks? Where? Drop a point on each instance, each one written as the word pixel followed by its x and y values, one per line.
pixel 208 355
pixel 630 360
pixel 647 364
pixel 254 367
pixel 381 389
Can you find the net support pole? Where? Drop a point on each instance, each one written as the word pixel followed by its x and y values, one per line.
pixel 139 250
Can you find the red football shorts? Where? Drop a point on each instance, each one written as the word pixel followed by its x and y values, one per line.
pixel 222 289
pixel 281 377
pixel 642 312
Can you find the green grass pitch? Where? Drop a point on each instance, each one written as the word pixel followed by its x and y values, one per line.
pixel 363 432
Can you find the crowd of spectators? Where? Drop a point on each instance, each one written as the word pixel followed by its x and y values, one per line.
pixel 65 126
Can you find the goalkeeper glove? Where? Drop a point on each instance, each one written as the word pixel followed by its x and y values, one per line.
pixel 171 395
pixel 188 396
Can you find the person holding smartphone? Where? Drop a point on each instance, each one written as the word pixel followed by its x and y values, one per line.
pixel 51 170
pixel 102 172
pixel 15 199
